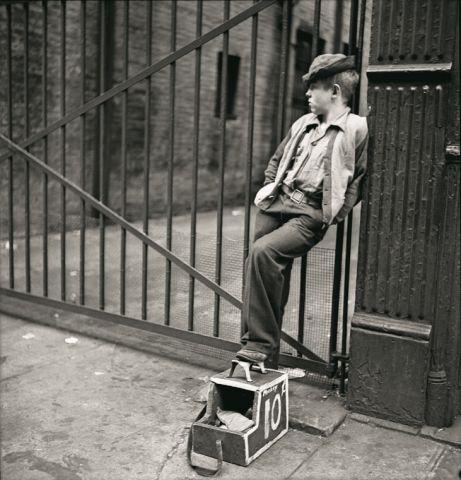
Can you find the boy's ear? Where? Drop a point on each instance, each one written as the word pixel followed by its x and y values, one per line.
pixel 336 89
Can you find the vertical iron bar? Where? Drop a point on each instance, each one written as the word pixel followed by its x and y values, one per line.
pixel 390 30
pixel 428 32
pixel 353 49
pixel 10 159
pixel 336 293
pixel 223 115
pixel 353 24
pixel 82 149
pixel 147 110
pixel 414 271
pixel 286 12
pixel 26 132
pixel 346 299
pixel 283 70
pixel 302 300
pixel 363 9
pixel 193 227
pixel 170 166
pixel 102 160
pixel 403 22
pixel 428 267
pixel 442 17
pixel 249 152
pixel 45 145
pixel 126 18
pixel 379 35
pixel 402 298
pixel 63 148
pixel 303 272
pixel 315 39
pixel 339 230
pixel 414 29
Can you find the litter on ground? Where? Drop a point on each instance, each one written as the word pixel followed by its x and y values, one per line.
pixel 71 340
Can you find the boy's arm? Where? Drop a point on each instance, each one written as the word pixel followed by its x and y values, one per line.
pixel 272 166
pixel 353 193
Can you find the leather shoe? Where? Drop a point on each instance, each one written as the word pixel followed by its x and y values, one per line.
pixel 251 356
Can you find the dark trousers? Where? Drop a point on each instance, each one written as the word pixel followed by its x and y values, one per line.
pixel 280 235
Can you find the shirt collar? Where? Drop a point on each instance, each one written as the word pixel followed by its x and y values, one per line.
pixel 339 121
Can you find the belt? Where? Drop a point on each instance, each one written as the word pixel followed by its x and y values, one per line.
pixel 298 196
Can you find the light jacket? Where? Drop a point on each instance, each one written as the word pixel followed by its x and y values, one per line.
pixel 344 170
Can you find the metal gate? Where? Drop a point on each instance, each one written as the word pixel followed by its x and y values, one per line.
pixel 97 223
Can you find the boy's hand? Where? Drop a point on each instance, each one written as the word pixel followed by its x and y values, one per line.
pixel 263 193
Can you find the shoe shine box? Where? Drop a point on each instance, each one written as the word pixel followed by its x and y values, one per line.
pixel 267 397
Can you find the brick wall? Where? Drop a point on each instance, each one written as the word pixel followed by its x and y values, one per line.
pixel 209 148
pixel 267 82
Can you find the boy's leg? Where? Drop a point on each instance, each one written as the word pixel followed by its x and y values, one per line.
pixel 264 295
pixel 264 224
pixel 273 361
pixel 286 286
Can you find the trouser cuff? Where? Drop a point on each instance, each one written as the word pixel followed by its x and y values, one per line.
pixel 257 347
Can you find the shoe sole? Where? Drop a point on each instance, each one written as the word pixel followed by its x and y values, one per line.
pixel 248 359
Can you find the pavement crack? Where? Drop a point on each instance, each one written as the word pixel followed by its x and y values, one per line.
pixel 16 375
pixel 437 458
pixel 182 436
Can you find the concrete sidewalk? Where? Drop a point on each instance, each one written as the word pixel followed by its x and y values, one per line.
pixel 75 407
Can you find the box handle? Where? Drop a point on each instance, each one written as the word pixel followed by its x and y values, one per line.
pixel 205 472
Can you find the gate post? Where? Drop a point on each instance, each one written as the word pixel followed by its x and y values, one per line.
pixel 399 334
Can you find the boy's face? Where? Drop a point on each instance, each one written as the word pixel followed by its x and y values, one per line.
pixel 320 98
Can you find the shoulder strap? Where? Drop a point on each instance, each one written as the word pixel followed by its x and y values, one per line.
pixel 205 472
pixel 331 142
pixel 298 140
pixel 327 179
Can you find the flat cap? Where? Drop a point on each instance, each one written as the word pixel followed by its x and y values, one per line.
pixel 328 64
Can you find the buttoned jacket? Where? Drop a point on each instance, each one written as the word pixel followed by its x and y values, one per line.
pixel 344 169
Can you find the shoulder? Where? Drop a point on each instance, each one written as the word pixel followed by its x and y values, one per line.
pixel 302 121
pixel 357 123
pixel 357 126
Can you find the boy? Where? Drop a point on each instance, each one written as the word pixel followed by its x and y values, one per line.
pixel 312 181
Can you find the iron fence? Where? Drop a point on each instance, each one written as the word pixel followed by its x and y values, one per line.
pixel 96 215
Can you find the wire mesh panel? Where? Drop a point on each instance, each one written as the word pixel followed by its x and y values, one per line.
pixel 134 160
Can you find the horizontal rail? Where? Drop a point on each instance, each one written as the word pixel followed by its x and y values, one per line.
pixel 121 221
pixel 14 2
pixel 124 320
pixel 144 238
pixel 300 347
pixel 172 57
pixel 158 328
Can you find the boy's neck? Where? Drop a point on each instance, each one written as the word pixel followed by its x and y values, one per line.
pixel 335 111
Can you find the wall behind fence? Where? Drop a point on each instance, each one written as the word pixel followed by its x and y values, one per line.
pixel 266 96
